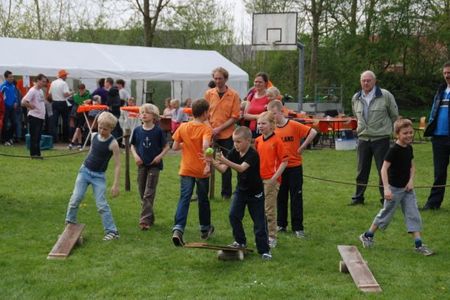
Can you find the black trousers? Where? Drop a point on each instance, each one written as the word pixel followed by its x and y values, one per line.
pixel 441 154
pixel 291 185
pixel 225 146
pixel 366 150
pixel 35 127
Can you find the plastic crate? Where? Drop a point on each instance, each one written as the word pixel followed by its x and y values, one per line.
pixel 46 141
pixel 345 144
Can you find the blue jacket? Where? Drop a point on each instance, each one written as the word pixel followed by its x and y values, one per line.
pixel 9 93
pixel 429 131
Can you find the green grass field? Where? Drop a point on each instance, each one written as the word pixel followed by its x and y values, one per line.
pixel 34 197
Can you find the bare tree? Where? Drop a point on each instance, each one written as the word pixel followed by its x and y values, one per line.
pixel 150 11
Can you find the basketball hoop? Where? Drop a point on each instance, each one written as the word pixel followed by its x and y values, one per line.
pixel 274 31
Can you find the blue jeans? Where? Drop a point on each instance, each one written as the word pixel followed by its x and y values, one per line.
pixel 204 211
pixel 98 182
pixel 256 209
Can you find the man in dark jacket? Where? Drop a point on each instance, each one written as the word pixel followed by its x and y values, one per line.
pixel 439 129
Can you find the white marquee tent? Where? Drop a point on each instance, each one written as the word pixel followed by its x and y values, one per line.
pixel 189 71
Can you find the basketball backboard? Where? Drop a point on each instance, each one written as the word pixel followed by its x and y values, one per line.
pixel 274 31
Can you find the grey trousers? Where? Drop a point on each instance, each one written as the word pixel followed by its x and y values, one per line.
pixel 147 182
pixel 408 202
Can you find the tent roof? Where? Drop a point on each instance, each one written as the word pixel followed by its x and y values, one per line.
pixel 89 60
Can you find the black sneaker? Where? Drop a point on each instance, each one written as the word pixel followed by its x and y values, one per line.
pixel 207 234
pixel 266 256
pixel 36 157
pixel 177 238
pixel 428 207
pixel 356 202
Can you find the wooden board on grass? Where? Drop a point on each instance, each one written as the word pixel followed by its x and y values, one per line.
pixel 353 263
pixel 67 240
pixel 224 252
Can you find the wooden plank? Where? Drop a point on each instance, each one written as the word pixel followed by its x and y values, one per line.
pixel 216 247
pixel 358 268
pixel 66 241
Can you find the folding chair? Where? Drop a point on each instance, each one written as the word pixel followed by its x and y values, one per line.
pixel 421 129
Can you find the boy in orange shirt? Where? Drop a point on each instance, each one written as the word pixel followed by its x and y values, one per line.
pixel 193 138
pixel 273 162
pixel 291 133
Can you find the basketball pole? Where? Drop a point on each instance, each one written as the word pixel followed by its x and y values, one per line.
pixel 301 74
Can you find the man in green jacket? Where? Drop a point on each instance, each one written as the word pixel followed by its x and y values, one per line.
pixel 376 111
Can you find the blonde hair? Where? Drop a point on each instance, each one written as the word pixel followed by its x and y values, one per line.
pixel 269 117
pixel 107 119
pixel 275 104
pixel 243 132
pixel 175 101
pixel 402 123
pixel 273 91
pixel 150 108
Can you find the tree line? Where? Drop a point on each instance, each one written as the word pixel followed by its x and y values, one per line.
pixel 405 42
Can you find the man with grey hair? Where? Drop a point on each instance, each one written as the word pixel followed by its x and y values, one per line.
pixel 376 111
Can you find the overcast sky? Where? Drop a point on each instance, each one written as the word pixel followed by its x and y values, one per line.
pixel 242 21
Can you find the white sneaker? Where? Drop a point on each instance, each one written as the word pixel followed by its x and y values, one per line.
pixel 272 242
pixel 300 234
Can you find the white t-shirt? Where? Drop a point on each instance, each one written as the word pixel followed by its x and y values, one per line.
pixel 369 96
pixel 36 98
pixel 58 88
pixel 124 94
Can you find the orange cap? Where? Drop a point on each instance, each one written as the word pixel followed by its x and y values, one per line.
pixel 62 73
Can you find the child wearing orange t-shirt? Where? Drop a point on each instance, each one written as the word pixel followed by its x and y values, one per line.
pixel 193 138
pixel 291 133
pixel 273 162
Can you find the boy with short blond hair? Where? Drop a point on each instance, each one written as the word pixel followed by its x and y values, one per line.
pixel 249 191
pixel 148 147
pixel 273 93
pixel 273 162
pixel 92 171
pixel 292 134
pixel 193 138
pixel 397 174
